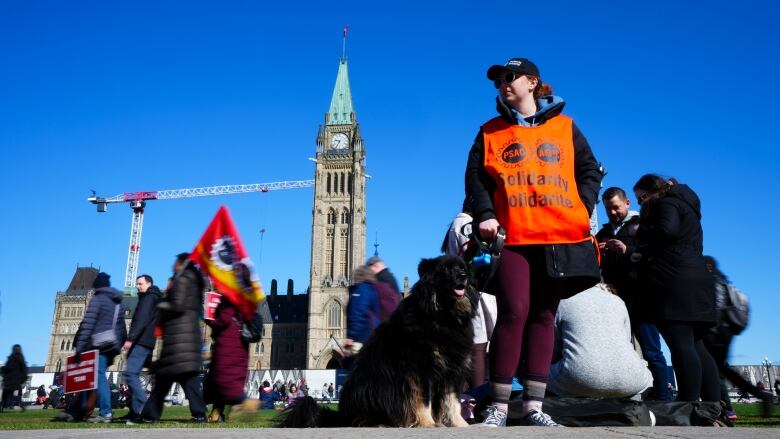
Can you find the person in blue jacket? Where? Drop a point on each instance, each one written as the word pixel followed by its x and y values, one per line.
pixel 363 309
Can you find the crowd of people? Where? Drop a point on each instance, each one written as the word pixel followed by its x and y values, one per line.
pixel 567 313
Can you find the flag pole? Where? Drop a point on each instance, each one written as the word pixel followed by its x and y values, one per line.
pixel 344 42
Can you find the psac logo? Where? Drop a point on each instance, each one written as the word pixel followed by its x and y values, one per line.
pixel 514 153
pixel 548 152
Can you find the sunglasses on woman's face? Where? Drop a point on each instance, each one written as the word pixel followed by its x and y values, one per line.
pixel 507 78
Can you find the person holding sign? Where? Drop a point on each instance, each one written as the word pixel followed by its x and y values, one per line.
pixel 103 329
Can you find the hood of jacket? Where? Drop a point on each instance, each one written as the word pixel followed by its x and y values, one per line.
pixel 547 107
pixel 110 292
pixel 154 291
pixel 687 195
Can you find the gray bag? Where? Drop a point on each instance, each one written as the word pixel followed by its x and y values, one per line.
pixel 105 340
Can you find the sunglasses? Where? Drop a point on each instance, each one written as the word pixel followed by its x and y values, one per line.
pixel 507 78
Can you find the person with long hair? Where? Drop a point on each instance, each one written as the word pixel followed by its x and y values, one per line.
pixel 14 376
pixel 679 293
pixel 531 173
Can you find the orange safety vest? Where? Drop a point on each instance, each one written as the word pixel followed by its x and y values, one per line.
pixel 536 197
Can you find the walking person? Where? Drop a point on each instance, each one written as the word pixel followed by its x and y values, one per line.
pixel 224 384
pixel 678 292
pixel 363 309
pixel 14 376
pixel 140 342
pixel 180 359
pixel 532 173
pixel 718 341
pixel 103 328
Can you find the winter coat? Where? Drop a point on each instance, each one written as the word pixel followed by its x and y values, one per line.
pixel 268 397
pixel 617 269
pixel 229 357
pixel 99 317
pixel 577 263
pixel 675 280
pixel 363 311
pixel 388 299
pixel 14 372
pixel 180 321
pixel 387 277
pixel 145 318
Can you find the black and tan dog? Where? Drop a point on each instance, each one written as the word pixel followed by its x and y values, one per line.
pixel 411 370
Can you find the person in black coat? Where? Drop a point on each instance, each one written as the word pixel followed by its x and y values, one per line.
pixel 14 376
pixel 141 340
pixel 181 359
pixel 105 313
pixel 679 293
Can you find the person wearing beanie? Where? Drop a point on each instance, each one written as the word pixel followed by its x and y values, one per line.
pixel 532 176
pixel 103 328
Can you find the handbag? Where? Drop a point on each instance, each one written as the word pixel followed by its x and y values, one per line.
pixel 105 340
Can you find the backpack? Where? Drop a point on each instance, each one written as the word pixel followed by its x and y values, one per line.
pixel 737 313
pixel 252 329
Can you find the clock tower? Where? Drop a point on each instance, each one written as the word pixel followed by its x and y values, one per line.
pixel 338 243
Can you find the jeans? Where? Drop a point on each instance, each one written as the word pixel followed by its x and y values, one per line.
pixel 650 341
pixel 104 392
pixel 136 359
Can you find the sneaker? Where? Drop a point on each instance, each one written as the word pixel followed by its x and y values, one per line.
pixel 535 418
pixel 731 415
pixel 63 417
pixel 101 419
pixel 495 417
pixel 198 419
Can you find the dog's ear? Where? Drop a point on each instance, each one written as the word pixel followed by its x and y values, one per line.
pixel 426 267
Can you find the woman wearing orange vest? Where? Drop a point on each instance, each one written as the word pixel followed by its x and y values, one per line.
pixel 532 172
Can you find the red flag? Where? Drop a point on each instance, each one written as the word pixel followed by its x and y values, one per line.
pixel 346 28
pixel 221 254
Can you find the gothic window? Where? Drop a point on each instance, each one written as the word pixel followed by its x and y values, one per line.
pixel 67 346
pixel 349 184
pixel 262 348
pixel 343 252
pixel 332 216
pixel 345 216
pixel 62 345
pixel 334 315
pixel 335 182
pixel 58 368
pixel 263 333
pixel 329 242
pixel 328 186
pixel 341 187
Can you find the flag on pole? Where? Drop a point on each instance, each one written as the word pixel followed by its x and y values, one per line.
pixel 346 29
pixel 221 254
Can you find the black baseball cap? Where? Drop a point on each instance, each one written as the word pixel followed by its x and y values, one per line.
pixel 523 66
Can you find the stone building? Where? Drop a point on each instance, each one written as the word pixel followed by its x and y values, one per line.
pixel 338 236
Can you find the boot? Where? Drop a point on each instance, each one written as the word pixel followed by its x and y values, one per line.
pixel 216 415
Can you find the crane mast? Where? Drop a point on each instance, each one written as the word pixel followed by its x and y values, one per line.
pixel 137 201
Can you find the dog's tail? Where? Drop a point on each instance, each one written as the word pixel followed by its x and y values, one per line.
pixel 306 413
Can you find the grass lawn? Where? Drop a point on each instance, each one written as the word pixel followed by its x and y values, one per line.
pixel 748 415
pixel 172 417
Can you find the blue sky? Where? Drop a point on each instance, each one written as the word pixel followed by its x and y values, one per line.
pixel 126 96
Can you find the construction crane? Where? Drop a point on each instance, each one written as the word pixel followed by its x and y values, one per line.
pixel 137 201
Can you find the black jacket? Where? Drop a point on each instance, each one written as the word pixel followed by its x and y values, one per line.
pixel 99 317
pixel 14 372
pixel 575 262
pixel 675 280
pixel 180 321
pixel 616 269
pixel 145 318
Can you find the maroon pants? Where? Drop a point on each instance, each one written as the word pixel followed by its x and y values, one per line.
pixel 527 299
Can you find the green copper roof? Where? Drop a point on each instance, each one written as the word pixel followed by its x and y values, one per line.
pixel 340 112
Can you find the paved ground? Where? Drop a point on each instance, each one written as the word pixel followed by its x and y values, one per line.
pixel 376 433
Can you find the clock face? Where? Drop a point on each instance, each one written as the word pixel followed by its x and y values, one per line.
pixel 339 141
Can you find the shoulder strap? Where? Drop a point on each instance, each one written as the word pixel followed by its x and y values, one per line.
pixel 116 313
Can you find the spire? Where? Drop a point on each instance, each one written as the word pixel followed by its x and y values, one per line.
pixel 341 111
